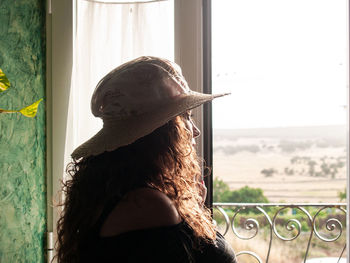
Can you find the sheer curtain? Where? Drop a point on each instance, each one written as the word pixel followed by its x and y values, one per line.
pixel 107 34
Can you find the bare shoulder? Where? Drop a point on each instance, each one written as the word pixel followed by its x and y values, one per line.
pixel 142 208
pixel 154 204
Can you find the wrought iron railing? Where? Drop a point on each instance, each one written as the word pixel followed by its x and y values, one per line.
pixel 330 216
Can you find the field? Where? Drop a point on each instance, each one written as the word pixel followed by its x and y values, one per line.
pixel 304 164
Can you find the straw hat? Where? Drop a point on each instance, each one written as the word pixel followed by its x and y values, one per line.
pixel 135 99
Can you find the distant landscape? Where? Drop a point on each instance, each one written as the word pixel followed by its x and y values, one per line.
pixel 292 164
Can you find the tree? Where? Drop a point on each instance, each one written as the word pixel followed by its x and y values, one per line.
pixel 288 171
pixel 221 189
pixel 340 163
pixel 222 193
pixel 268 172
pixel 294 160
pixel 246 194
pixel 312 165
pixel 334 169
pixel 342 195
pixel 325 169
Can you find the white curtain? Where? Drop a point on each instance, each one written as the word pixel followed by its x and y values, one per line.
pixel 107 34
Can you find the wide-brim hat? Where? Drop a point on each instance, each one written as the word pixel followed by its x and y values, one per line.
pixel 135 99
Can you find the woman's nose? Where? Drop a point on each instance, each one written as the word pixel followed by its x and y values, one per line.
pixel 196 131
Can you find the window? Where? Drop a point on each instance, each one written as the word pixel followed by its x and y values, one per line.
pixel 286 65
pixel 65 27
pixel 192 41
pixel 284 128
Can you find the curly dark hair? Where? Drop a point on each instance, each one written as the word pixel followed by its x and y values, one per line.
pixel 164 160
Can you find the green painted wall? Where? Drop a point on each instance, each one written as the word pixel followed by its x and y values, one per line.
pixel 22 140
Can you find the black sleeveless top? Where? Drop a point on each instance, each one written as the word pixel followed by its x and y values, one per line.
pixel 167 244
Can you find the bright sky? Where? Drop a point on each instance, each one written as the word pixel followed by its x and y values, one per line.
pixel 284 61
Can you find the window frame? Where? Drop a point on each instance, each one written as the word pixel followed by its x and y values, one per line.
pixel 192 52
pixel 59 63
pixel 207 108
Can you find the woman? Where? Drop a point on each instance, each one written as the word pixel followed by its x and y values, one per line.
pixel 136 192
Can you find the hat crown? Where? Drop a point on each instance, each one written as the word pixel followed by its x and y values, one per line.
pixel 137 87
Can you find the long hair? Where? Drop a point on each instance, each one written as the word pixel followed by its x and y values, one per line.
pixel 164 160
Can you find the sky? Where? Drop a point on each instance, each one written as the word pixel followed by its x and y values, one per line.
pixel 285 63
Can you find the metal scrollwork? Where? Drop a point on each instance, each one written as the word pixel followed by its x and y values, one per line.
pixel 227 220
pixel 250 224
pixel 294 226
pixel 331 225
pixel 290 226
pixel 250 253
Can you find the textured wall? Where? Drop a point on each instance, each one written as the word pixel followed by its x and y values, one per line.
pixel 22 140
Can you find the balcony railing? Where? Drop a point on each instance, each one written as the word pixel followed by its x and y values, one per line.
pixel 283 222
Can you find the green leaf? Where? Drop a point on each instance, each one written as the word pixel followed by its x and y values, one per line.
pixel 30 111
pixel 4 82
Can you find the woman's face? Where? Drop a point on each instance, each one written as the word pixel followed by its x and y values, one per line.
pixel 195 132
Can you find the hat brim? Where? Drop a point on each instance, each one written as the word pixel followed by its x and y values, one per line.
pixel 118 133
